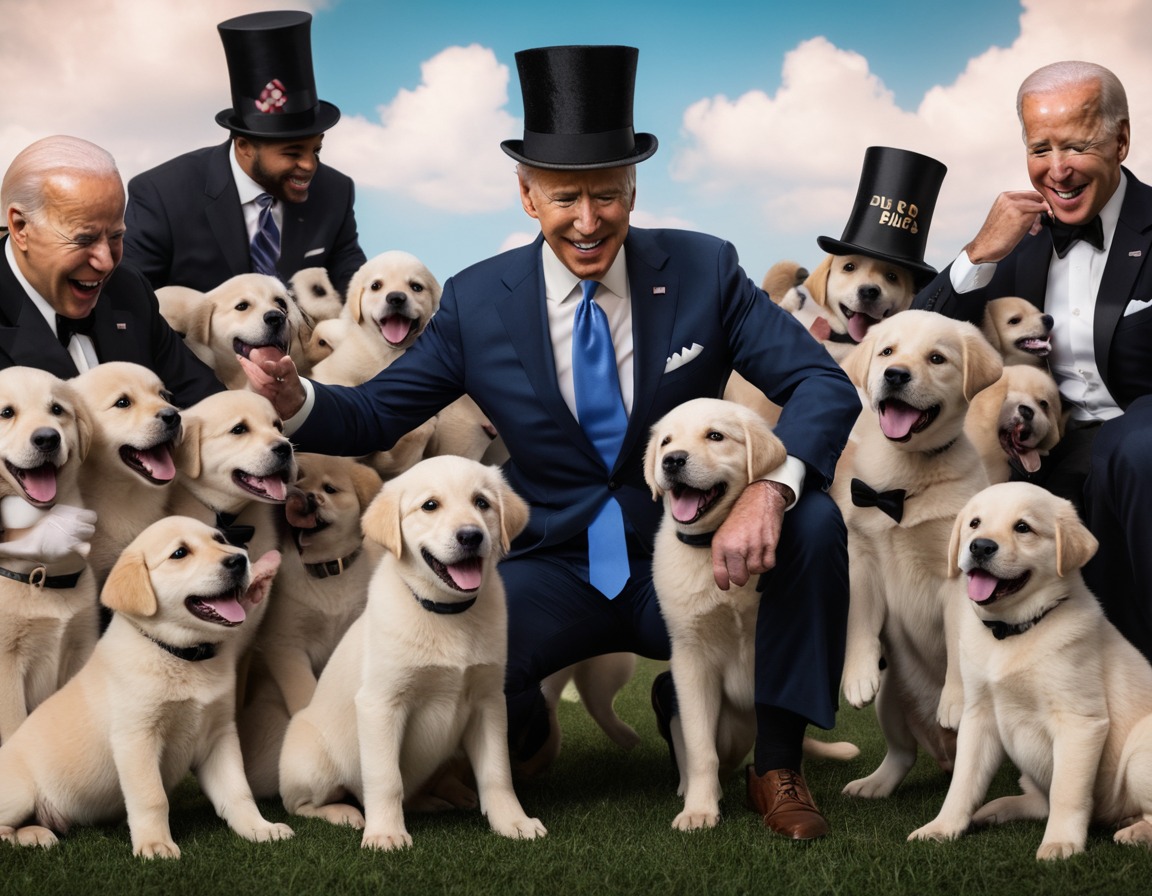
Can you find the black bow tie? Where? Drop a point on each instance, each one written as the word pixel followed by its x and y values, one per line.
pixel 238 536
pixel 891 502
pixel 1064 235
pixel 66 326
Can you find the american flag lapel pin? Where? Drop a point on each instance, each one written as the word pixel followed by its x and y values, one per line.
pixel 1135 254
pixel 659 290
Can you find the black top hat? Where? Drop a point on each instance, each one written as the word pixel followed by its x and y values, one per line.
pixel 578 109
pixel 893 210
pixel 270 68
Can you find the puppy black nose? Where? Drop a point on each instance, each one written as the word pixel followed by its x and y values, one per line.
pixel 274 318
pixel 46 439
pixel 1026 413
pixel 1046 320
pixel 983 548
pixel 170 417
pixel 396 299
pixel 235 561
pixel 674 460
pixel 868 293
pixel 897 376
pixel 282 450
pixel 470 537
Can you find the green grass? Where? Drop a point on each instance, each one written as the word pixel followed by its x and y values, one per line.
pixel 609 817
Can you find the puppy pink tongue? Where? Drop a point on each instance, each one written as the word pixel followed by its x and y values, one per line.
pixel 1029 459
pixel 897 419
pixel 226 607
pixel 396 328
pixel 981 584
pixel 858 325
pixel 263 353
pixel 466 575
pixel 158 462
pixel 686 505
pixel 40 483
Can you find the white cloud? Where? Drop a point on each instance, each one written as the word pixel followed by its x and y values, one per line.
pixel 440 143
pixel 800 150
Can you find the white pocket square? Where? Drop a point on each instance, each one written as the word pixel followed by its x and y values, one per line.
pixel 682 357
pixel 311 252
pixel 1137 305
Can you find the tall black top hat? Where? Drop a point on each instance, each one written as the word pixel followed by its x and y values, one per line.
pixel 578 108
pixel 893 210
pixel 270 68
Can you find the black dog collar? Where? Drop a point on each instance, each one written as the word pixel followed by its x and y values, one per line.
pixel 331 567
pixel 703 540
pixel 1002 630
pixel 39 578
pixel 193 654
pixel 444 609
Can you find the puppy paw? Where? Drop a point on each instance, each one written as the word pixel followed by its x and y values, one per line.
pixel 949 711
pixel 873 787
pixel 1138 834
pixel 31 835
pixel 1051 851
pixel 340 814
pixel 268 831
pixel 936 830
pixel 386 842
pixel 861 690
pixel 156 849
pixel 695 820
pixel 521 829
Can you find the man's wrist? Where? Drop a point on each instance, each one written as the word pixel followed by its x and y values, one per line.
pixel 784 491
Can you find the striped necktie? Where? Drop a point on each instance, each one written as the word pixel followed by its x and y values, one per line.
pixel 600 410
pixel 265 246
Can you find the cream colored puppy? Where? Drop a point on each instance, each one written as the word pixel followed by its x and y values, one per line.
pixel 155 701
pixel 313 291
pixel 1020 331
pixel 912 470
pixel 1016 421
pixel 700 457
pixel 135 430
pixel 1048 681
pixel 48 610
pixel 244 312
pixel 321 589
pixel 421 673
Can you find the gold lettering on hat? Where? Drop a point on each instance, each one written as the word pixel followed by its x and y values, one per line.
pixel 897 213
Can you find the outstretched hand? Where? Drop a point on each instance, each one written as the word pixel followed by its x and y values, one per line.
pixel 274 376
pixel 745 544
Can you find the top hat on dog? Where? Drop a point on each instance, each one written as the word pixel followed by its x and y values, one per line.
pixel 578 109
pixel 893 210
pixel 269 58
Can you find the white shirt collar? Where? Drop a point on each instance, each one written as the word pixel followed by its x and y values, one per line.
pixel 559 282
pixel 245 186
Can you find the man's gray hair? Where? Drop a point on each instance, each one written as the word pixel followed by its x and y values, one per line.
pixel 23 185
pixel 1072 73
pixel 527 175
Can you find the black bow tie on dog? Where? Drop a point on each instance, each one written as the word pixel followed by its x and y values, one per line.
pixel 66 326
pixel 237 536
pixel 891 502
pixel 1065 235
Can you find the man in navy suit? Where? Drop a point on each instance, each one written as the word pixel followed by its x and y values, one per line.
pixel 682 316
pixel 191 220
pixel 1077 246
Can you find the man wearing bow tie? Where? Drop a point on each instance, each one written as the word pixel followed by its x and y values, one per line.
pixel 1077 246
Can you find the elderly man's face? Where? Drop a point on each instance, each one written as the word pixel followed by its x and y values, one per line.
pixel 69 250
pixel 583 215
pixel 284 168
pixel 1072 160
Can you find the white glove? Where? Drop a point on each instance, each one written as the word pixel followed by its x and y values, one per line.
pixel 62 531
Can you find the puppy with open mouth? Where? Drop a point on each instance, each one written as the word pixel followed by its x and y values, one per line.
pixel 1016 422
pixel 1020 331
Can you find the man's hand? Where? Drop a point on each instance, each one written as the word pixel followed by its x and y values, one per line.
pixel 62 532
pixel 745 544
pixel 1013 214
pixel 274 376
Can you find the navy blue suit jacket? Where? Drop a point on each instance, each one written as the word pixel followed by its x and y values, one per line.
pixel 1123 343
pixel 185 226
pixel 490 339
pixel 127 326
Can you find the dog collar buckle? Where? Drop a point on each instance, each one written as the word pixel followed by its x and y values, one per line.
pixel 38 577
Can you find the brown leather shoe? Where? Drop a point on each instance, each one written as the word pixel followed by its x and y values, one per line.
pixel 783 801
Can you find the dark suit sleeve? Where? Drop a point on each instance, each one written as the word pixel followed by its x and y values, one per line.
pixel 148 236
pixel 941 296
pixel 347 256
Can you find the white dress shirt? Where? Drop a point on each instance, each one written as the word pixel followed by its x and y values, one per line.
pixel 249 190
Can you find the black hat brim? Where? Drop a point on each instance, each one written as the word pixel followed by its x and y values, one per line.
pixel 922 273
pixel 645 146
pixel 326 116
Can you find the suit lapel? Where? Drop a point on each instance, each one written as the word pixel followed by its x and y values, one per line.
pixel 224 212
pixel 25 336
pixel 1131 244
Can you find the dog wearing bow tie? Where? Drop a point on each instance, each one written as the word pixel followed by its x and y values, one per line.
pixel 912 471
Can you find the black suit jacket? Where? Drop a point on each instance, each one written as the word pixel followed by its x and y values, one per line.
pixel 1123 343
pixel 490 339
pixel 127 326
pixel 186 227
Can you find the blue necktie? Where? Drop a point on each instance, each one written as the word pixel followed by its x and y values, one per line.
pixel 601 413
pixel 265 247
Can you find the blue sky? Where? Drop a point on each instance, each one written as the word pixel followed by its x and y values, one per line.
pixel 763 110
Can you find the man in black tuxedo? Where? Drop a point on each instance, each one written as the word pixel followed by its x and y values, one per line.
pixel 192 220
pixel 1077 246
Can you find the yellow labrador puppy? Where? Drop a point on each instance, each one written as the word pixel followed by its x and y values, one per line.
pixel 135 430
pixel 421 673
pixel 1048 681
pixel 912 470
pixel 1020 331
pixel 313 291
pixel 48 608
pixel 321 589
pixel 700 457
pixel 1016 421
pixel 153 702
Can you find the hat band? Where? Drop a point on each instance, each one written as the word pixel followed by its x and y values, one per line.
pixel 272 123
pixel 578 149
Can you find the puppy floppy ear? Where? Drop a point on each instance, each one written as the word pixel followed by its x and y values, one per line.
pixel 352 305
pixel 513 514
pixel 988 328
pixel 366 482
pixel 1075 545
pixel 954 541
pixel 128 588
pixel 817 282
pixel 981 362
pixel 651 455
pixel 196 323
pixel 84 424
pixel 857 362
pixel 765 450
pixel 381 521
pixel 188 450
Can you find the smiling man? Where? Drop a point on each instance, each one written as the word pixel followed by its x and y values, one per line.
pixel 262 201
pixel 1077 246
